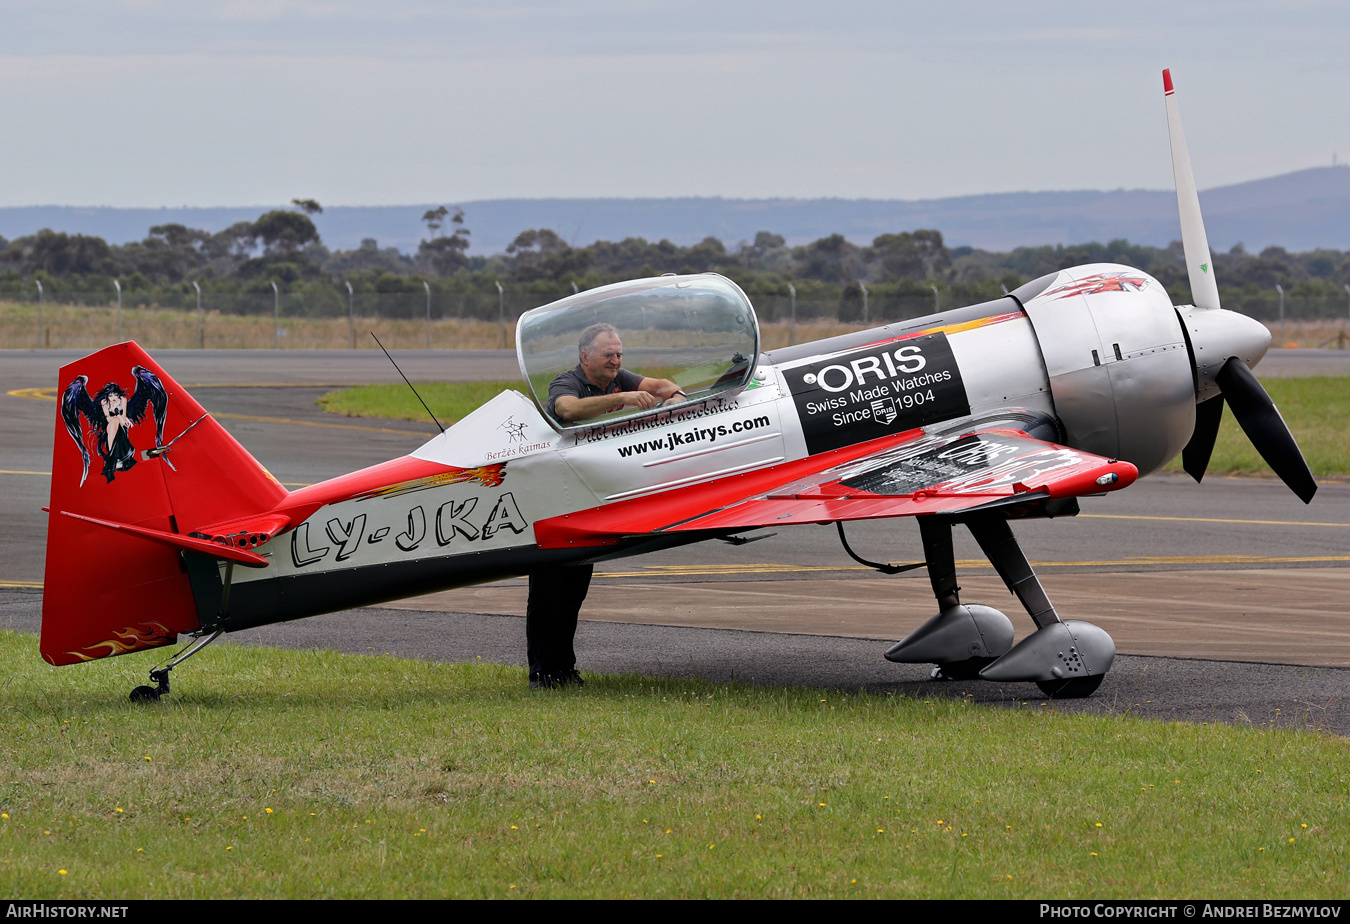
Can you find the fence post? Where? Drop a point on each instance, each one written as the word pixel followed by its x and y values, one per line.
pixel 1279 288
pixel 41 300
pixel 426 285
pixel 351 315
pixel 792 324
pixel 501 313
pixel 119 309
pixel 200 337
pixel 276 316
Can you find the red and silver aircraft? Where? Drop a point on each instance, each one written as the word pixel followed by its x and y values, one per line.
pixel 1075 384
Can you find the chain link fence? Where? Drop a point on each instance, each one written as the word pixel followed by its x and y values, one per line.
pixel 324 317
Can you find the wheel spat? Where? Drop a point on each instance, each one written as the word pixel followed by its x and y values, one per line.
pixel 1264 426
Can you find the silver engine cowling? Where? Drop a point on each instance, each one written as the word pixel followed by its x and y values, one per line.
pixel 1123 375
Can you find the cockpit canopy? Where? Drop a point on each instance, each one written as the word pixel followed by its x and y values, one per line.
pixel 697 331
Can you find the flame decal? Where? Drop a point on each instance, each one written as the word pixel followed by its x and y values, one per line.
pixel 1101 282
pixel 489 476
pixel 132 638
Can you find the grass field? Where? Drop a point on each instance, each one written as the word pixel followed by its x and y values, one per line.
pixel 1316 409
pixel 449 401
pixel 283 774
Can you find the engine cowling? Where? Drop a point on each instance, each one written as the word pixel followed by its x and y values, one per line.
pixel 1120 371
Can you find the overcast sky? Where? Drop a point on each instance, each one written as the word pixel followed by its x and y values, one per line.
pixel 151 103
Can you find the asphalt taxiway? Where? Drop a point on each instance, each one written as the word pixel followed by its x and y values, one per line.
pixel 1228 600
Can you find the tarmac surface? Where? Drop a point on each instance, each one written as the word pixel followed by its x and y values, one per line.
pixel 1228 600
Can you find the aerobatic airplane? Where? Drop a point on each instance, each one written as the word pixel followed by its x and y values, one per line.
pixel 1075 384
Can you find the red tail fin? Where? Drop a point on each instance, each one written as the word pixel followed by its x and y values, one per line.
pixel 139 453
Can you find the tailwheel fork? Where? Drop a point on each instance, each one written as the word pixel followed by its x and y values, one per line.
pixel 160 675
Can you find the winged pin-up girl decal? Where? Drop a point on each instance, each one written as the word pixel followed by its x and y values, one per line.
pixel 109 414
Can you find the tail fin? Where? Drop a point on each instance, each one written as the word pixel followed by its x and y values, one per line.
pixel 137 468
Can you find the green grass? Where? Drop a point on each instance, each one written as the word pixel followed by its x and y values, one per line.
pixel 1317 410
pixel 307 774
pixel 450 401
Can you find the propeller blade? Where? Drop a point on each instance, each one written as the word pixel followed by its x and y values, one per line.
pixel 1199 265
pixel 1261 421
pixel 1195 457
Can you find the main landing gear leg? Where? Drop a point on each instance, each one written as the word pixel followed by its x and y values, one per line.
pixel 1065 659
pixel 961 640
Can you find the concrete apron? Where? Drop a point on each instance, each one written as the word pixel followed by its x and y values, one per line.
pixel 1283 616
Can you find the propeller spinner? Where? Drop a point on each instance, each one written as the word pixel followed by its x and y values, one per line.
pixel 1224 345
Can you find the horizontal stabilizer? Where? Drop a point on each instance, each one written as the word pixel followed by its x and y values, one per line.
pixel 179 541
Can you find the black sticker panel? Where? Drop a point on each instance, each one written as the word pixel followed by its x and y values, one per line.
pixel 946 462
pixel 877 391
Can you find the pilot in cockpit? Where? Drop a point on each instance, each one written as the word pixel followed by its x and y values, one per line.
pixel 599 383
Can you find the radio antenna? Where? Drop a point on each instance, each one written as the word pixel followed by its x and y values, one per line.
pixel 405 378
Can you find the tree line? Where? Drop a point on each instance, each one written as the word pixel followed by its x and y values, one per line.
pixel 897 275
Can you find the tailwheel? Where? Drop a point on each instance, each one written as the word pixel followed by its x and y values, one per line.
pixel 160 675
pixel 144 694
pixel 1074 688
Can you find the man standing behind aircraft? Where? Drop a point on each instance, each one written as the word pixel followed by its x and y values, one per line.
pixel 599 384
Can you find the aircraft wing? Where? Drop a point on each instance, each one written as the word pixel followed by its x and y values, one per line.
pixel 912 476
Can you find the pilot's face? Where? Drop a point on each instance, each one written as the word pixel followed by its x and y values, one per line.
pixel 603 360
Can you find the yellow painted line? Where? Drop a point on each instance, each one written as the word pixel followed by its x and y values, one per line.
pixel 275 384
pixel 1194 560
pixel 49 394
pixel 771 568
pixel 1125 516
pixel 317 423
pixel 284 484
pixel 774 568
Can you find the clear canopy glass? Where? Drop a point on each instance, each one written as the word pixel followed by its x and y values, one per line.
pixel 699 332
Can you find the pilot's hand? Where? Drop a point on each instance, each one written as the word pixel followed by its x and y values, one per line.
pixel 639 399
pixel 678 397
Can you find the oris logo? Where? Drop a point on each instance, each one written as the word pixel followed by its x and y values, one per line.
pixel 876 390
pixel 880 367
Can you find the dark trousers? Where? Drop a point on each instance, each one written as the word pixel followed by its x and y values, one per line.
pixel 556 595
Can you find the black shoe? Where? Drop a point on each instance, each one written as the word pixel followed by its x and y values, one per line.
pixel 568 678
pixel 542 681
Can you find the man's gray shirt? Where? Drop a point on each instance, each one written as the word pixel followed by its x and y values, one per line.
pixel 574 383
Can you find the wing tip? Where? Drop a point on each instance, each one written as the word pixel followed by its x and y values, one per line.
pixel 1168 90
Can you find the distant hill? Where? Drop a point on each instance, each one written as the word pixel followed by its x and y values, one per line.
pixel 1299 211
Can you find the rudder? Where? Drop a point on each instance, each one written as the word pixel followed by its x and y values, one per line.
pixel 138 467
